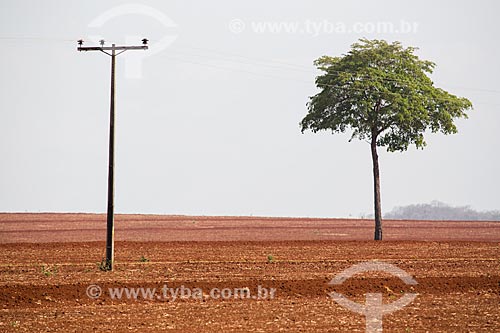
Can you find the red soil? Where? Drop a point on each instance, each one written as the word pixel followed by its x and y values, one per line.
pixel 49 260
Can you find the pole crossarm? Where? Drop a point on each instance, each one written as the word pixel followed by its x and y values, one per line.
pixel 111 48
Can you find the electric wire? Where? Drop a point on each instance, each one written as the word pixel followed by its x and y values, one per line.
pixel 238 59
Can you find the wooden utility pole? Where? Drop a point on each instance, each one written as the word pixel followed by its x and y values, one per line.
pixel 110 229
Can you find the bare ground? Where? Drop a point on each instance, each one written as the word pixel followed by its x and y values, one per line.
pixel 49 260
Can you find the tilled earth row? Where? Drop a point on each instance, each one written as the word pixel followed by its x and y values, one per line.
pixel 227 286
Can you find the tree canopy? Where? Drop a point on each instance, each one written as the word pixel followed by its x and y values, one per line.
pixel 382 90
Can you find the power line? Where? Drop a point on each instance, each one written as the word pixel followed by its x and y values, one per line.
pixel 297 66
pixel 303 68
pixel 252 61
pixel 43 39
pixel 278 77
pixel 234 69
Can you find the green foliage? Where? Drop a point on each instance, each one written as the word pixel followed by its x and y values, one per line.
pixel 270 259
pixel 48 271
pixel 382 91
pixel 104 265
pixel 143 259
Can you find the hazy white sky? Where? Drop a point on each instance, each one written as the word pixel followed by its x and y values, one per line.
pixel 207 119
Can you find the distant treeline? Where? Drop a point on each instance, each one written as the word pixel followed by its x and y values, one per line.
pixel 440 211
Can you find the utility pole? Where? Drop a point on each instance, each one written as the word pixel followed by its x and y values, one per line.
pixel 110 229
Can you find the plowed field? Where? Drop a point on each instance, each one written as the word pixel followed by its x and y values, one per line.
pixel 182 269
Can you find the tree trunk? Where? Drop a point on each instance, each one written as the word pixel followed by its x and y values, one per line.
pixel 376 189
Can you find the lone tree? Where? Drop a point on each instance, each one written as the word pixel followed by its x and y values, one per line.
pixel 382 93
